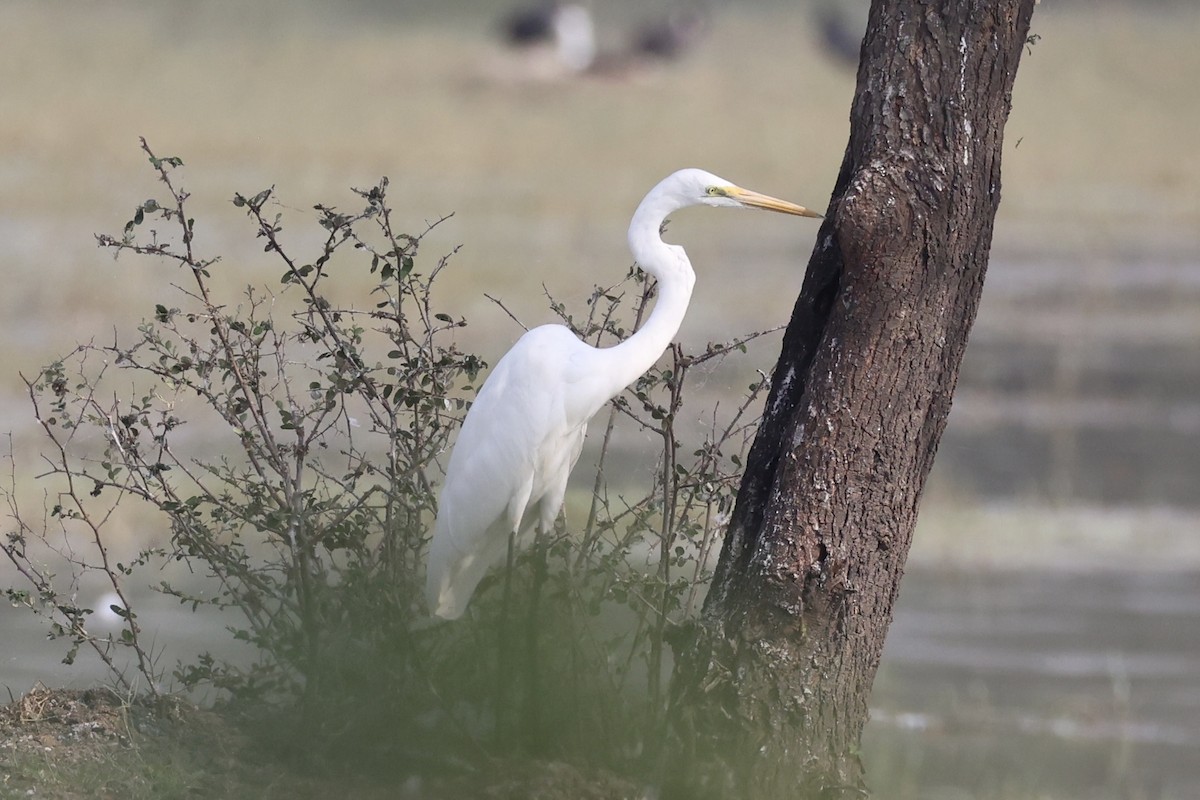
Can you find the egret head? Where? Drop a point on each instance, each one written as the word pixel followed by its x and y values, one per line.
pixel 698 187
pixel 693 187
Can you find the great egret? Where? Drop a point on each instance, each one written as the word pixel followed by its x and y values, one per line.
pixel 523 434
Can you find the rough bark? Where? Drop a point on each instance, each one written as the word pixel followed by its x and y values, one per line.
pixel 771 686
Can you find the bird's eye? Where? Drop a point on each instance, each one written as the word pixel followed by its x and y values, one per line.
pixel 712 191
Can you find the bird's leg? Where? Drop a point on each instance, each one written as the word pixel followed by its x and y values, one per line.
pixel 533 694
pixel 504 649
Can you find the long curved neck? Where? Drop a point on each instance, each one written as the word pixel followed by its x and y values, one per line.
pixel 670 267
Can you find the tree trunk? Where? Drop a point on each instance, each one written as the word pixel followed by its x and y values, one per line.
pixel 771 687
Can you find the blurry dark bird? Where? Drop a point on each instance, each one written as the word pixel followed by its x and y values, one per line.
pixel 671 37
pixel 840 32
pixel 531 25
pixel 567 27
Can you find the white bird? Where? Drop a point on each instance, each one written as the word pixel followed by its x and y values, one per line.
pixel 523 434
pixel 108 615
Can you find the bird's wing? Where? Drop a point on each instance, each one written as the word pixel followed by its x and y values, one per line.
pixel 517 412
pixel 521 436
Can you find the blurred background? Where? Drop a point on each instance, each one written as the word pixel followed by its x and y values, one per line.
pixel 1047 640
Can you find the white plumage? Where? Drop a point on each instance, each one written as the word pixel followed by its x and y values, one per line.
pixel 524 432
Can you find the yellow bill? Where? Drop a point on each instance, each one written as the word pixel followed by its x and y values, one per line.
pixel 768 203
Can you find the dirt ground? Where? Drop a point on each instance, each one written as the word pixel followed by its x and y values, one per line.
pixel 65 744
